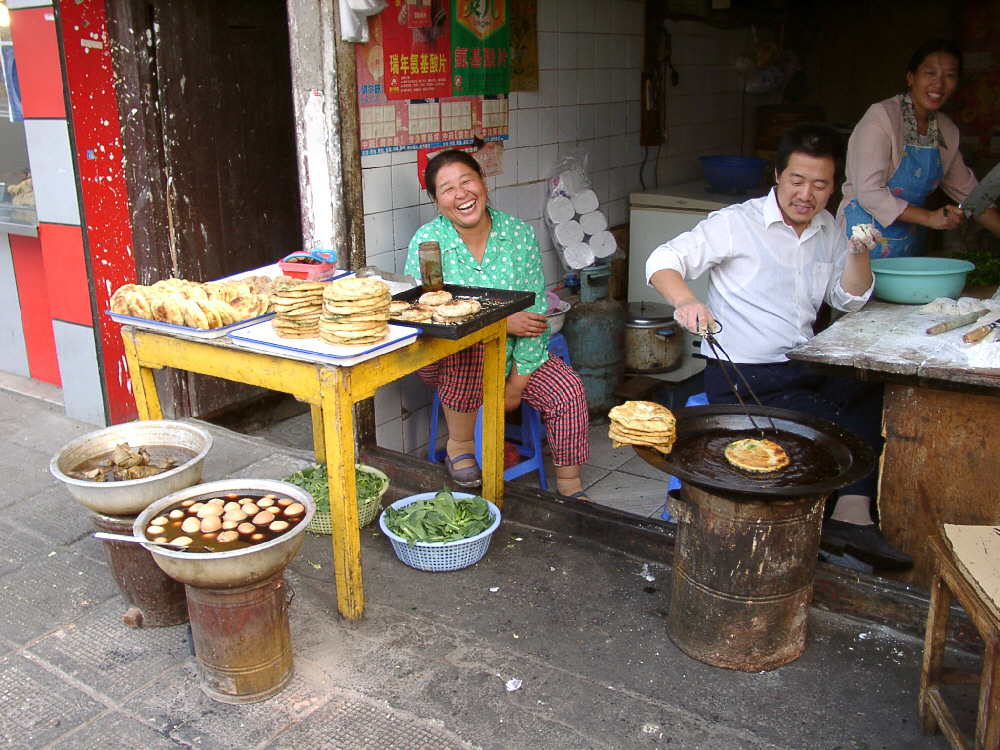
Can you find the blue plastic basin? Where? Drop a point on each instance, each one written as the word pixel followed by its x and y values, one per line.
pixel 732 172
pixel 914 281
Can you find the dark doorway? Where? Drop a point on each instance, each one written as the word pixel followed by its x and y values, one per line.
pixel 205 97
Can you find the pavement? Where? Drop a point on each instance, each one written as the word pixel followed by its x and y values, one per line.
pixel 552 640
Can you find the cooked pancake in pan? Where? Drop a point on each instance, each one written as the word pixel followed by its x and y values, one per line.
pixel 757 455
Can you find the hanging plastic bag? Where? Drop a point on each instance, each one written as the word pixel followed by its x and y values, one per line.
pixel 572 214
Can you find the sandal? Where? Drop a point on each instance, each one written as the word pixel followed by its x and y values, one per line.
pixel 470 476
pixel 581 496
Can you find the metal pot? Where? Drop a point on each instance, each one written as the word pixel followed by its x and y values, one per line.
pixel 654 341
pixel 238 567
pixel 126 498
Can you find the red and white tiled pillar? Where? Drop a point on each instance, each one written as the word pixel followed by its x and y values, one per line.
pixel 64 277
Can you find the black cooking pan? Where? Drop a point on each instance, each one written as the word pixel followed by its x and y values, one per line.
pixel 822 456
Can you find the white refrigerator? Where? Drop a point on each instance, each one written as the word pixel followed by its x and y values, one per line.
pixel 658 215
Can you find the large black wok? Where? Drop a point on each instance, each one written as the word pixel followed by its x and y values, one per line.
pixel 822 456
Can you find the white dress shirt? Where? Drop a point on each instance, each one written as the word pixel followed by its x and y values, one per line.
pixel 765 283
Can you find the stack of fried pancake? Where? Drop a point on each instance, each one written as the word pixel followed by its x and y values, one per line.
pixel 212 304
pixel 355 312
pixel 642 423
pixel 297 306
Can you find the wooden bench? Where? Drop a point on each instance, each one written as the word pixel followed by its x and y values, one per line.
pixel 967 567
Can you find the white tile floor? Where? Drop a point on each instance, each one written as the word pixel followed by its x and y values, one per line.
pixel 614 477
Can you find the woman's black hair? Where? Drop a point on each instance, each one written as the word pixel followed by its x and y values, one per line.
pixel 813 139
pixel 929 48
pixel 442 159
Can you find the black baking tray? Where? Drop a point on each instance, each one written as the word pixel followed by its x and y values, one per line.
pixel 497 304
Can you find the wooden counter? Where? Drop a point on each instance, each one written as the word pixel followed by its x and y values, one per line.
pixel 331 392
pixel 941 420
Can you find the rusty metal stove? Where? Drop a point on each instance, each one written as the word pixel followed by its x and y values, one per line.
pixel 747 544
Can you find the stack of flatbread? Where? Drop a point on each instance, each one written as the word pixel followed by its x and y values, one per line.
pixel 642 423
pixel 212 304
pixel 297 306
pixel 355 312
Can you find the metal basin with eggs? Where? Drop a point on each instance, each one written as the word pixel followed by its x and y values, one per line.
pixel 128 497
pixel 233 568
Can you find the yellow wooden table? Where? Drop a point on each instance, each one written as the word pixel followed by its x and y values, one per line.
pixel 331 392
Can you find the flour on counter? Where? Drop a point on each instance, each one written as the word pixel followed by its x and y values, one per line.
pixel 985 354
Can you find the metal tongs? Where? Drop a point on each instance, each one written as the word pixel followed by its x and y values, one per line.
pixel 717 349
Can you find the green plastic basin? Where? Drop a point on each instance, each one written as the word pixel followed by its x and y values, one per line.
pixel 914 281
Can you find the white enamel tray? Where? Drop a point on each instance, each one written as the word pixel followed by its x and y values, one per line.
pixel 262 338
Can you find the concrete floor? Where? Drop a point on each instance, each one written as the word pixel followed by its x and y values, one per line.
pixel 549 641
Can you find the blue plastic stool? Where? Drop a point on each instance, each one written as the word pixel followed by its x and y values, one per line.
pixel 526 437
pixel 557 346
pixel 698 399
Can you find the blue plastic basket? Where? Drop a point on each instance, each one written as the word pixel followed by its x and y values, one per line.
pixel 440 556
pixel 732 172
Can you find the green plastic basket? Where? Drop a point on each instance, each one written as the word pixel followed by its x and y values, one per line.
pixel 367 512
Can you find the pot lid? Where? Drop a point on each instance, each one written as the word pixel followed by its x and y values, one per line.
pixel 649 313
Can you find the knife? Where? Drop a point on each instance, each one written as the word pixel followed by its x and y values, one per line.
pixel 984 195
pixel 977 334
pixel 957 322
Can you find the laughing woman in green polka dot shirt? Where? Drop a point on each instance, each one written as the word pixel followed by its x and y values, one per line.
pixel 484 247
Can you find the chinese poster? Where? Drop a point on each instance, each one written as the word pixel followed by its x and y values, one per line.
pixel 406 96
pixel 480 47
pixel 416 49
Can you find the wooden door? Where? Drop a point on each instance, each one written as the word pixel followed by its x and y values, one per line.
pixel 205 98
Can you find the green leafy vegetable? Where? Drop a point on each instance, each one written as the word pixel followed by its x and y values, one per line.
pixel 315 481
pixel 442 518
pixel 987 267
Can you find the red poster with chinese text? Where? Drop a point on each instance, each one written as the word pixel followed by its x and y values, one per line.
pixel 416 49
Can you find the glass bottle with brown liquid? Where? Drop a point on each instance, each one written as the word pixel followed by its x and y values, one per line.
pixel 431 273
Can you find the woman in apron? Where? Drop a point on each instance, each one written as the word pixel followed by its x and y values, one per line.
pixel 902 150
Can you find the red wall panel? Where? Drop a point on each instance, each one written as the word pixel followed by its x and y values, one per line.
pixel 36 319
pixel 36 50
pixel 69 291
pixel 99 157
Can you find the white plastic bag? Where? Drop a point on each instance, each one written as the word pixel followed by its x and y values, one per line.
pixel 572 214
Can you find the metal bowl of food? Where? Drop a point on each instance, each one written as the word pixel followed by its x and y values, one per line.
pixel 557 312
pixel 232 568
pixel 185 444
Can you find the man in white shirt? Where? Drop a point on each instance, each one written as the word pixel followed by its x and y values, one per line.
pixel 772 262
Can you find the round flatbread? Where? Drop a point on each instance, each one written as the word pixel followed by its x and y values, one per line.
pixel 397 306
pixel 757 455
pixel 433 299
pixel 417 314
pixel 456 310
pixel 355 289
pixel 643 416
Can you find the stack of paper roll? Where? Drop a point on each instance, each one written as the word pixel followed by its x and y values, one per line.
pixel 578 226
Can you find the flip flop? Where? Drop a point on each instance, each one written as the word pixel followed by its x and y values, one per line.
pixel 581 496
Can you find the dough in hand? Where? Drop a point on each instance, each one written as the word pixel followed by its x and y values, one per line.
pixel 867 234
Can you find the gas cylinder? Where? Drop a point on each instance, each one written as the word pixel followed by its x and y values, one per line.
pixel 595 336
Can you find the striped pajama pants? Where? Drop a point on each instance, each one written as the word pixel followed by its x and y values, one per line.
pixel 554 389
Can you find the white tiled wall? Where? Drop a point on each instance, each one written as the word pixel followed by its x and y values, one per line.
pixel 706 113
pixel 589 59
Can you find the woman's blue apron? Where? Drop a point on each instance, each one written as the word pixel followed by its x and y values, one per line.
pixel 916 177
